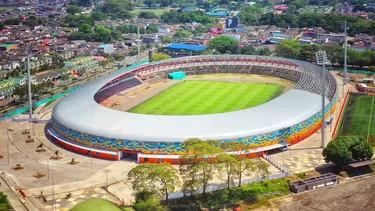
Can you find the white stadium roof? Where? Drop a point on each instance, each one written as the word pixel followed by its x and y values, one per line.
pixel 79 111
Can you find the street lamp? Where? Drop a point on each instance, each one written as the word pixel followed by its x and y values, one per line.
pixel 29 81
pixel 139 44
pixel 321 59
pixel 53 194
pixel 106 180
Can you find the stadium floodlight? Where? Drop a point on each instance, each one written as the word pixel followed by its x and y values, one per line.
pixel 29 81
pixel 321 59
pixel 343 23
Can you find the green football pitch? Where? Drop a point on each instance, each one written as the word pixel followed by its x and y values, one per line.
pixel 207 97
pixel 359 117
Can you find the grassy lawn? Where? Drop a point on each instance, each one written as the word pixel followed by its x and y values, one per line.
pixel 158 11
pixel 96 204
pixel 359 117
pixel 2 9
pixel 208 97
pixel 248 197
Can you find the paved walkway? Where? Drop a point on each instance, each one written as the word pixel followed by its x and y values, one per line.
pixel 65 203
pixel 13 198
pixel 307 154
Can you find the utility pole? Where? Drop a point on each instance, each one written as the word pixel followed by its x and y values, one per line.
pixel 53 194
pixel 8 153
pixel 139 44
pixel 321 58
pixel 48 168
pixel 29 80
pixel 345 59
pixel 106 181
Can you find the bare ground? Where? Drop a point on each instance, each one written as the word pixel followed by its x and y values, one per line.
pixel 352 196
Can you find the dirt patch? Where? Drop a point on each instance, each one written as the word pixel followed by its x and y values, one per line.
pixel 56 158
pixel 39 175
pixel 40 150
pixel 17 168
pixel 73 163
pixel 357 195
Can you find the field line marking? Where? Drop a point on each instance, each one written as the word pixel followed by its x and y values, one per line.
pixel 369 122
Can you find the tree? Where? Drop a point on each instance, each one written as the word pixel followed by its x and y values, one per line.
pixel 64 77
pixel 338 151
pixel 155 178
pixel 152 28
pixel 228 168
pixel 151 203
pixel 22 91
pixel 244 165
pixel 4 202
pixel 249 15
pixel 298 3
pixel 191 178
pixel 98 16
pixel 45 86
pixel 361 149
pixel 147 15
pixel 224 45
pixel 182 34
pixel 307 52
pixel 248 50
pixel 103 34
pixel 264 51
pixel 262 168
pixel 159 56
pixel 118 57
pixel 78 20
pixel 32 21
pixel 73 9
pixel 288 49
pixel 12 21
pixel 86 29
pixel 200 162
pixel 83 3
pixel 166 40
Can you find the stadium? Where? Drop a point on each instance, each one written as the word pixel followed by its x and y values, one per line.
pixel 85 123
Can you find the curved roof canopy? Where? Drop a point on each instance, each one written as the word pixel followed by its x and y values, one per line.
pixel 79 111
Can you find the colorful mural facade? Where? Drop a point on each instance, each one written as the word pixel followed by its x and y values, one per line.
pixel 292 135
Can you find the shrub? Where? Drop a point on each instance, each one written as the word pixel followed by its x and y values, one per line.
pixel 244 193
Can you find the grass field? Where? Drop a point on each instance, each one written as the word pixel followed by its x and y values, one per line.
pixel 359 117
pixel 96 204
pixel 2 9
pixel 207 97
pixel 158 11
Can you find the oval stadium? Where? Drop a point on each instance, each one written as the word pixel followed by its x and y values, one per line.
pixel 144 112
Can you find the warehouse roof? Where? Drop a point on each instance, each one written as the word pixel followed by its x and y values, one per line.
pixel 187 47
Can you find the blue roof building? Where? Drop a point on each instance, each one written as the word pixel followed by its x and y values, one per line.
pixel 186 47
pixel 182 49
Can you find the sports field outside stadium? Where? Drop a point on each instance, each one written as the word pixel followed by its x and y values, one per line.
pixel 359 117
pixel 208 97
